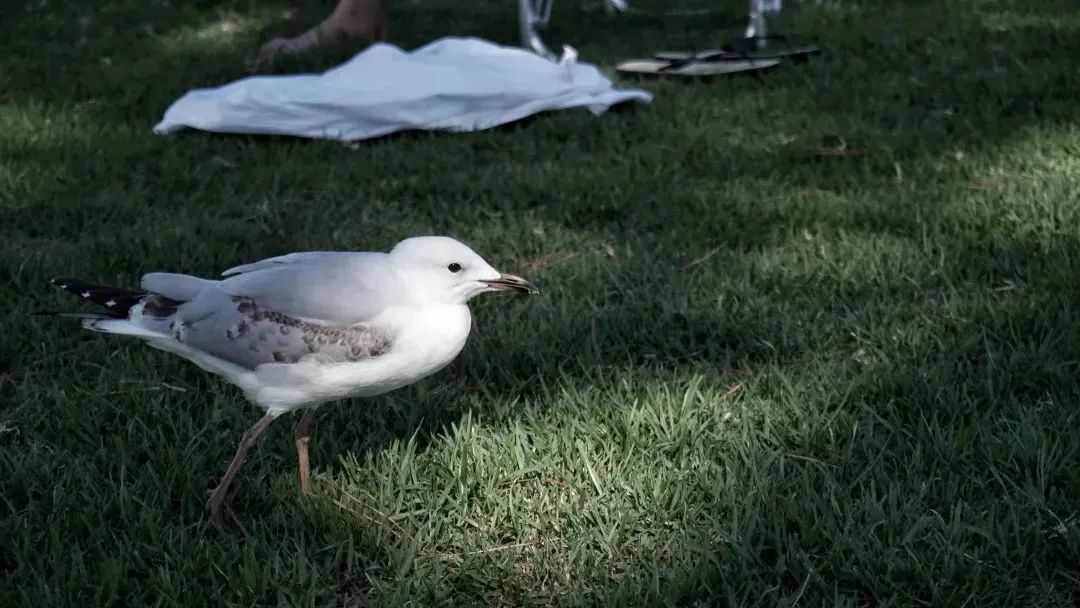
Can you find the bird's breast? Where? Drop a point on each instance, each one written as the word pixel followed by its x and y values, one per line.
pixel 427 338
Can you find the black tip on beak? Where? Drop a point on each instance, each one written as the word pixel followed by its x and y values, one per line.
pixel 509 282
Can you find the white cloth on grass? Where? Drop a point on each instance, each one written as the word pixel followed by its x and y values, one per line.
pixel 453 84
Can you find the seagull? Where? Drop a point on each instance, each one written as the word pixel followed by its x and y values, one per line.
pixel 296 331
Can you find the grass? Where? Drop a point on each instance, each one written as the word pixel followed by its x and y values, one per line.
pixel 755 377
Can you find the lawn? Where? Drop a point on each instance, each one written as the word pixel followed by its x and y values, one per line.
pixel 756 376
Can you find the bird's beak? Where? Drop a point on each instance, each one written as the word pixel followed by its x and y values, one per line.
pixel 509 282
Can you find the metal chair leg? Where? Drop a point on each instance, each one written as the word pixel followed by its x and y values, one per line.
pixel 756 28
pixel 533 15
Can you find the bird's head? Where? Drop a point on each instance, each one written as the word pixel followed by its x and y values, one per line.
pixel 439 268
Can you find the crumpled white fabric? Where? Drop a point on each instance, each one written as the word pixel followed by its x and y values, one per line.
pixel 452 84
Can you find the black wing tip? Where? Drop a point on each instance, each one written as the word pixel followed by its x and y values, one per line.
pixel 78 287
pixel 116 300
pixel 72 284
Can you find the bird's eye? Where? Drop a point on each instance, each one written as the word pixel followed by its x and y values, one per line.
pixel 455 267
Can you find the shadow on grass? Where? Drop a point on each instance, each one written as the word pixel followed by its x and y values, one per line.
pixel 964 409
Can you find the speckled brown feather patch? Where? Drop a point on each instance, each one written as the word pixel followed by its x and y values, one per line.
pixel 351 343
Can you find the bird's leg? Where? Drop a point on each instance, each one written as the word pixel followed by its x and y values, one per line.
pixel 251 436
pixel 303 438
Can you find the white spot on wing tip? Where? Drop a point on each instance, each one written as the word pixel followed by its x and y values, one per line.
pixel 110 303
pixel 86 294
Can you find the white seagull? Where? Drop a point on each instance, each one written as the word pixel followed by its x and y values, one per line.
pixel 299 330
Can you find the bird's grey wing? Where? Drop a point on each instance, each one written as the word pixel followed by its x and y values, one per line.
pixel 336 289
pixel 303 257
pixel 319 306
pixel 241 331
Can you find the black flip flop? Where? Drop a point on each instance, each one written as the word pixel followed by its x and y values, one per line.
pixel 757 47
pixel 694 66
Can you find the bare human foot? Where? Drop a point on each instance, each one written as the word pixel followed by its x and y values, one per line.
pixel 361 19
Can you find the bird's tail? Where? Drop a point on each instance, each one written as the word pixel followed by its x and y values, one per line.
pixel 145 315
